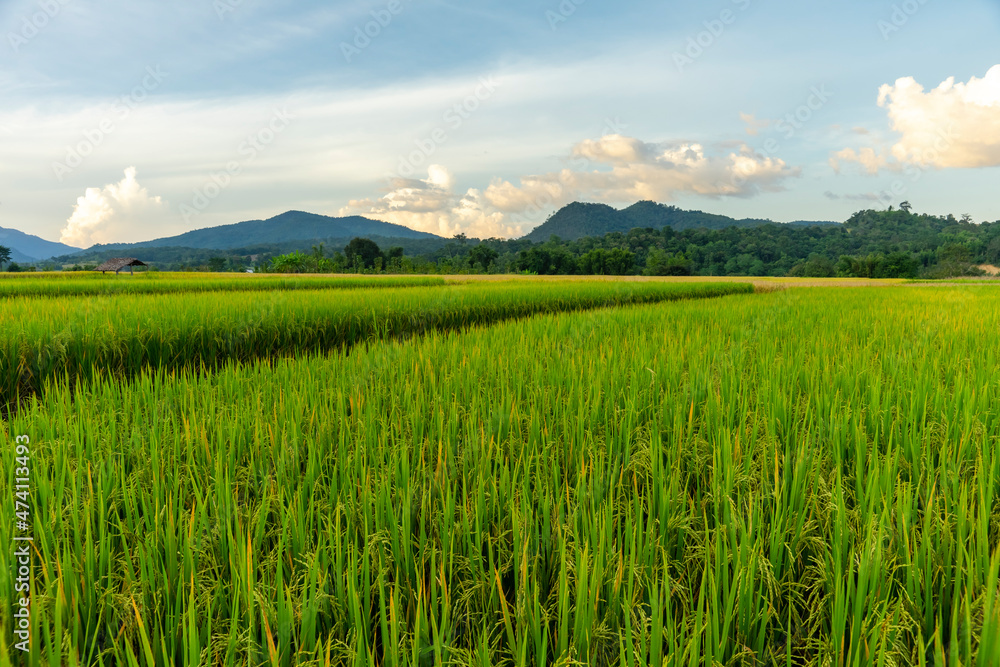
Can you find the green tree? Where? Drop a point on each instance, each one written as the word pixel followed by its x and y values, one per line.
pixel 898 265
pixel 850 267
pixel 318 258
pixel 620 262
pixel 294 262
pixel 483 256
pixel 878 266
pixel 362 253
pixel 547 262
pixel 217 264
pixel 4 255
pixel 594 263
pixel 394 260
pixel 661 263
pixel 817 266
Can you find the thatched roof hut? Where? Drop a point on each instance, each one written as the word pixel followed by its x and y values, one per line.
pixel 119 263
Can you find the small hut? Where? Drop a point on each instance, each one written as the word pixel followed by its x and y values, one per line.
pixel 119 263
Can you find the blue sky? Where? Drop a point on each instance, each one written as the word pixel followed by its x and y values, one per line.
pixel 126 121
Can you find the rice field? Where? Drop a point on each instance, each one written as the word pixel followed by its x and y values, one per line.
pixel 577 473
pixel 120 335
pixel 95 284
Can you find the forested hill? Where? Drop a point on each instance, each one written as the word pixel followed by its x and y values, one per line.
pixel 288 227
pixel 288 232
pixel 874 244
pixel 577 220
pixel 28 247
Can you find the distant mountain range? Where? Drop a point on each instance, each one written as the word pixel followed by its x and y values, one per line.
pixel 297 230
pixel 30 248
pixel 290 231
pixel 577 220
pixel 290 226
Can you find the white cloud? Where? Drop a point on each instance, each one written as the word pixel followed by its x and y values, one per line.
pixel 114 213
pixel 343 139
pixel 864 196
pixel 615 149
pixel 638 171
pixel 642 170
pixel 868 158
pixel 431 205
pixel 954 126
pixel 754 125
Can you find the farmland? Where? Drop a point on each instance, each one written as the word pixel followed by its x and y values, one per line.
pixel 75 284
pixel 122 334
pixel 507 473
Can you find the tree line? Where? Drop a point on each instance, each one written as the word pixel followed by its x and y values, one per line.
pixel 871 244
pixel 896 243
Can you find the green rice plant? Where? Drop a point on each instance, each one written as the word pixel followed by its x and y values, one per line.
pixel 798 478
pixel 75 284
pixel 120 335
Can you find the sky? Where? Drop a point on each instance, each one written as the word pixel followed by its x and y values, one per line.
pixel 125 121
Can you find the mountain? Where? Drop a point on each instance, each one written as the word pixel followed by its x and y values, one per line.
pixel 178 258
pixel 577 220
pixel 290 226
pixel 20 257
pixel 29 248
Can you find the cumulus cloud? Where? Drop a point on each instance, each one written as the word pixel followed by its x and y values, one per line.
pixel 431 205
pixel 754 126
pixel 864 196
pixel 640 170
pixel 112 213
pixel 615 149
pixel 954 126
pixel 612 169
pixel 869 159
